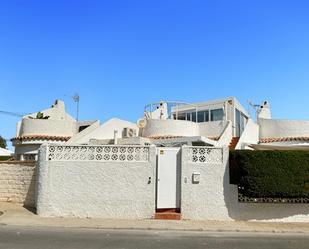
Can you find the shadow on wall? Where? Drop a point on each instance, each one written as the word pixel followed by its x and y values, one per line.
pixel 29 201
pixel 260 211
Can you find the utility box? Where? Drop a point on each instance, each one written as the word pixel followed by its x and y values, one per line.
pixel 196 177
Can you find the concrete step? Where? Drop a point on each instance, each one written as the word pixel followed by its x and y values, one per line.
pixel 168 216
pixel 233 143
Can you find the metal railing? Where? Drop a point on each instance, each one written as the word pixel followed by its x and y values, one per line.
pixel 173 109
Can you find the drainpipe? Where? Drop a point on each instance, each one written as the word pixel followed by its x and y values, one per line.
pixel 115 137
pixel 225 110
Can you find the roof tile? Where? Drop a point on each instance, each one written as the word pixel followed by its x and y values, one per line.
pixel 283 139
pixel 42 137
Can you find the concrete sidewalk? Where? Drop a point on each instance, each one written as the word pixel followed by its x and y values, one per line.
pixel 14 214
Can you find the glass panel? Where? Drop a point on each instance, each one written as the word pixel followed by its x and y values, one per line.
pixel 203 116
pixel 237 123
pixel 200 117
pixel 181 116
pixel 188 116
pixel 193 116
pixel 216 114
pixel 207 116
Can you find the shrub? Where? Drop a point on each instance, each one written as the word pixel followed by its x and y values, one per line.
pixel 2 142
pixel 281 174
pixel 5 158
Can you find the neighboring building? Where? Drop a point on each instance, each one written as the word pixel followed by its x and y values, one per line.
pixel 279 133
pixel 5 152
pixel 52 125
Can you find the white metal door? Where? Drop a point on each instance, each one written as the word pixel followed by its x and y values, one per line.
pixel 168 182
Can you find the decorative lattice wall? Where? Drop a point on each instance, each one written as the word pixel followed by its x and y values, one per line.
pixel 245 199
pixel 98 153
pixel 206 154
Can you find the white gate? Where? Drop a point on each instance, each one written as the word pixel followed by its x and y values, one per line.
pixel 168 178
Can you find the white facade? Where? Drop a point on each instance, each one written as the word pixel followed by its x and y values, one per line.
pixel 222 122
pixel 218 120
pixel 57 126
pixel 5 152
pixel 97 181
pixel 111 129
pixel 214 198
pixel 273 128
pixel 120 182
pixel 114 170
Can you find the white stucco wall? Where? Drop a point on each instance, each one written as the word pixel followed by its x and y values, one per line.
pixel 48 127
pixel 204 200
pixel 27 149
pixel 250 135
pixel 157 127
pixel 56 112
pixel 80 135
pixel 227 135
pixel 212 129
pixel 272 128
pixel 214 198
pixel 97 188
pixel 104 131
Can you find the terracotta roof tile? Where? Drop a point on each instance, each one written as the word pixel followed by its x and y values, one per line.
pixel 171 137
pixel 283 139
pixel 164 137
pixel 42 137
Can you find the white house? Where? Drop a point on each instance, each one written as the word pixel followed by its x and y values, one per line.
pixel 173 163
pixel 50 125
pixel 5 152
pixel 223 122
pixel 174 123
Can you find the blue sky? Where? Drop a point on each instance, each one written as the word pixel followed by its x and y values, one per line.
pixel 121 55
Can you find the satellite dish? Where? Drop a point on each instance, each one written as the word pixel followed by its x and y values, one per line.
pixel 141 123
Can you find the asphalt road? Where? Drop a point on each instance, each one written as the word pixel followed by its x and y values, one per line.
pixel 26 237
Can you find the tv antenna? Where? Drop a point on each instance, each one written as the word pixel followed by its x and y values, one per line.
pixel 254 106
pixel 76 100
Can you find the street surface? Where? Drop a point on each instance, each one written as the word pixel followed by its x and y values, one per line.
pixel 15 237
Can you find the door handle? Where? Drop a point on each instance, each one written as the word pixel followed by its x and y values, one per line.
pixel 149 180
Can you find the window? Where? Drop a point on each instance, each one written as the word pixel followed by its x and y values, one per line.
pixel 240 122
pixel 83 127
pixel 188 116
pixel 202 116
pixel 207 116
pixel 29 157
pixel 181 116
pixel 216 115
pixel 193 116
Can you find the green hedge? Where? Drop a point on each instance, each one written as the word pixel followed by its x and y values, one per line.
pixel 273 174
pixel 5 158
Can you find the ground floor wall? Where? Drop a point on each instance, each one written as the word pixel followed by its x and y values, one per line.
pixel 212 197
pixel 17 182
pixel 97 181
pixel 120 182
